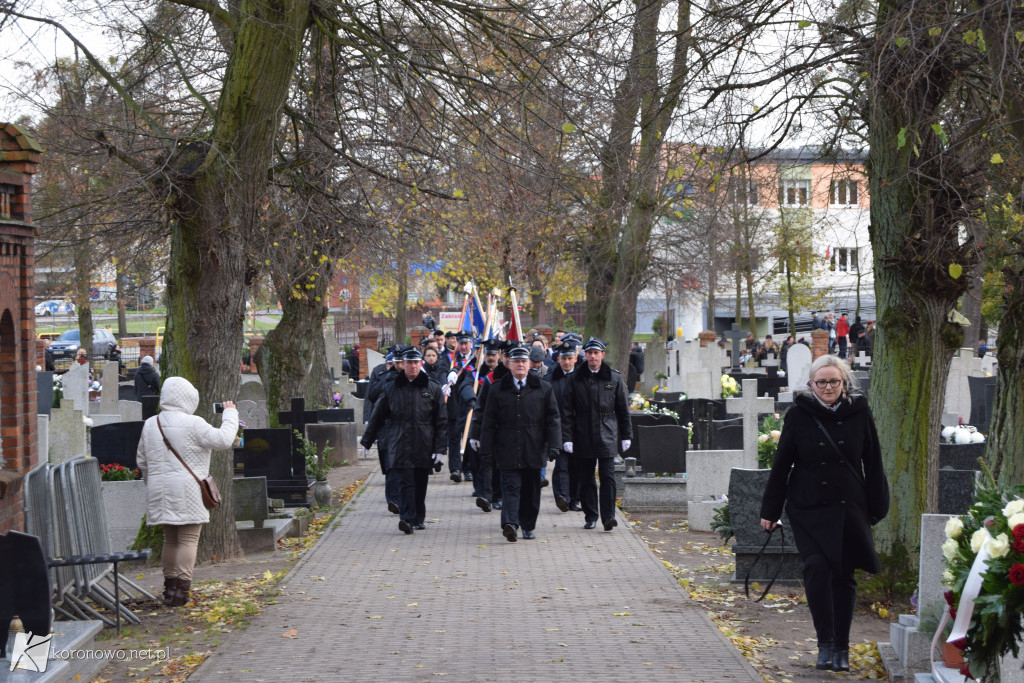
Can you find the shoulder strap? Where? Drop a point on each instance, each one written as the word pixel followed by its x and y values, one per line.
pixel 171 449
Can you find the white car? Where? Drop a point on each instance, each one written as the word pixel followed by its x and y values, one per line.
pixel 54 307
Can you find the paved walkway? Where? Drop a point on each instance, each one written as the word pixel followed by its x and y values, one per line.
pixel 459 602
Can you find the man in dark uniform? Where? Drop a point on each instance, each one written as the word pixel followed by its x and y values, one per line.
pixel 596 426
pixel 520 427
pixel 416 437
pixel 564 481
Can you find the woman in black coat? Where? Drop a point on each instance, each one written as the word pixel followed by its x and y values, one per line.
pixel 828 473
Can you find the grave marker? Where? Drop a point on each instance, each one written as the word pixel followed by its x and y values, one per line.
pixel 750 406
pixel 76 386
pixel 117 443
pixel 735 335
pixel 798 360
pixel 44 392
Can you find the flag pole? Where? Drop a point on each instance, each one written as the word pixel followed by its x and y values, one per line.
pixel 491 314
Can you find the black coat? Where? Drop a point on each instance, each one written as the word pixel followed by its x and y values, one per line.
pixel 832 502
pixel 147 381
pixel 483 390
pixel 520 427
pixel 417 426
pixel 596 414
pixel 374 387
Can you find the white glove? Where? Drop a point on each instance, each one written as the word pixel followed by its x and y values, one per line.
pixel 567 446
pixel 437 457
pixel 453 377
pixel 366 452
pixel 626 443
pixel 475 443
pixel 446 390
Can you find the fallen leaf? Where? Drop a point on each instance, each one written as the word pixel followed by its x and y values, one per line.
pixel 290 634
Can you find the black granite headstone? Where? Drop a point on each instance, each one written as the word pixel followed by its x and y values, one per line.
pixel 727 435
pixel 637 420
pixel 771 385
pixel 150 406
pixel 361 387
pixel 960 456
pixel 126 391
pixel 44 392
pixel 24 587
pixel 956 491
pixel 662 448
pixel 981 408
pixel 746 489
pixel 117 442
pixel 268 453
pixel 669 396
pixel 336 415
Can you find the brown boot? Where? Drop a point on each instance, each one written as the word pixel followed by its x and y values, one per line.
pixel 181 595
pixel 170 588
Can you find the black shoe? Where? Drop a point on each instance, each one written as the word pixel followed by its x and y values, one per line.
pixel 608 526
pixel 496 505
pixel 483 504
pixel 528 536
pixel 456 476
pixel 405 526
pixel 509 532
pixel 590 524
pixel 824 658
pixel 575 506
pixel 544 482
pixel 562 504
pixel 469 476
pixel 841 660
pixel 419 527
pixel 393 508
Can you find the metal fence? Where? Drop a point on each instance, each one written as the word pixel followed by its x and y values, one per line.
pixel 64 508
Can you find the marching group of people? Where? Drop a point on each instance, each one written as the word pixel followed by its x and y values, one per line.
pixel 500 412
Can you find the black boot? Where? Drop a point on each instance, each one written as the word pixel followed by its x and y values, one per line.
pixel 181 594
pixel 841 660
pixel 825 657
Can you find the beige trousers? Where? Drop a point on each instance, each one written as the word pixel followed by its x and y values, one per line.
pixel 181 541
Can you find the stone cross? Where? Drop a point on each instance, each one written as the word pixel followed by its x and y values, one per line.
pixel 771 364
pixel 862 359
pixel 749 406
pixel 735 334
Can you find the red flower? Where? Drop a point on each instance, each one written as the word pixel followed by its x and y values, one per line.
pixel 959 643
pixel 949 598
pixel 1018 546
pixel 1018 532
pixel 965 670
pixel 1017 574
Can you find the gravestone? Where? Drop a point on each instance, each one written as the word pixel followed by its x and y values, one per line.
pixel 798 360
pixel 863 360
pixel 126 391
pixel 250 502
pixel 662 448
pixel 958 390
pixel 746 489
pixel 956 490
pixel 109 396
pixel 253 414
pixel 356 404
pixel 131 411
pixel 750 407
pixel 268 453
pixel 707 483
pixel 735 335
pixel 333 352
pixel 252 389
pixel 66 433
pixel 727 435
pixel 25 590
pixel 43 436
pixel 117 443
pixel 124 504
pixel 638 419
pixel 336 415
pixel 669 396
pixel 981 401
pixel 76 387
pixel 340 436
pixel 655 357
pixel 373 359
pixel 44 392
pixel 961 456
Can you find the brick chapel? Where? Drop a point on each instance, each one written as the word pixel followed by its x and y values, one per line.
pixel 19 157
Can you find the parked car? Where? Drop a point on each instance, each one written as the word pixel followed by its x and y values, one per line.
pixel 66 346
pixel 53 307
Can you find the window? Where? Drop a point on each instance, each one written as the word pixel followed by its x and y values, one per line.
pixel 794 192
pixel 844 259
pixel 844 192
pixel 743 191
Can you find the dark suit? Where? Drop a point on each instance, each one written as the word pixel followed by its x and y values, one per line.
pixel 519 428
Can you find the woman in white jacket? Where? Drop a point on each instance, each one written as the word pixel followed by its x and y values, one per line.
pixel 173 498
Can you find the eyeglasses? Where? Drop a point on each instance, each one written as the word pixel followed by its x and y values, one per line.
pixel 822 383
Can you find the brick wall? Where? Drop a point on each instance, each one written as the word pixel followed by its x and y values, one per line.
pixel 19 157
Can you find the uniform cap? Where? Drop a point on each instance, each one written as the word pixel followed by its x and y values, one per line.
pixel 518 351
pixel 593 343
pixel 412 353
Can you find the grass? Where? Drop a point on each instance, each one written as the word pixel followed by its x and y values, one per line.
pixel 138 324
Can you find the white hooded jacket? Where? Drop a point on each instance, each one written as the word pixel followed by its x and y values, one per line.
pixel 172 495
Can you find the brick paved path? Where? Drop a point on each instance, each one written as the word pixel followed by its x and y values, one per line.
pixel 458 602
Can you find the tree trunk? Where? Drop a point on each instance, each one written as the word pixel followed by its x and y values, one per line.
pixel 122 317
pixel 791 305
pixel 401 301
pixel 750 302
pixel 914 235
pixel 971 307
pixel 82 261
pixel 319 390
pixel 214 222
pixel 1005 449
pixel 288 352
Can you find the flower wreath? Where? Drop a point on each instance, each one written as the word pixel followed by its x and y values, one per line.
pixel 984 553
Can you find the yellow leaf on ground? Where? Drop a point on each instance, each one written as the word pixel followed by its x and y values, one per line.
pixel 290 634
